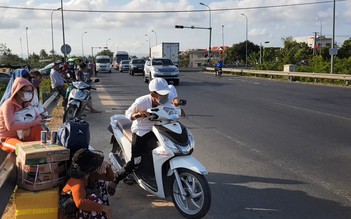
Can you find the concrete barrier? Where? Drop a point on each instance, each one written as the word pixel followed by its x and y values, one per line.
pixel 344 77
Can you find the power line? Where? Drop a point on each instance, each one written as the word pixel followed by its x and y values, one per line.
pixel 167 11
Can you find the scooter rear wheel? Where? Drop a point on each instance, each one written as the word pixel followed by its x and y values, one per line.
pixel 197 200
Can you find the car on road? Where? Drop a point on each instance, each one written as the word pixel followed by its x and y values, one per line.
pixel 161 68
pixel 4 78
pixel 123 66
pixel 46 70
pixel 136 66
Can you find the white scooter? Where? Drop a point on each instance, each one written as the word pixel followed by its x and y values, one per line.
pixel 168 168
pixel 78 97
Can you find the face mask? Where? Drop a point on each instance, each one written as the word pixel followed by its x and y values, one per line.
pixel 27 96
pixel 162 99
pixel 36 83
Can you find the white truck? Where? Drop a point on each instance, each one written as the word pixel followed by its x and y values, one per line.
pixel 167 51
pixel 103 64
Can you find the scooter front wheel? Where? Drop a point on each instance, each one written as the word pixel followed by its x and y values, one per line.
pixel 197 199
pixel 70 113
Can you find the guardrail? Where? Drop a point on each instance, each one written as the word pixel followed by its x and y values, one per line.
pixel 290 75
pixel 8 170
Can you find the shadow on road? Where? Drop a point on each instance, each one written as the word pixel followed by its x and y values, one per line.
pixel 258 197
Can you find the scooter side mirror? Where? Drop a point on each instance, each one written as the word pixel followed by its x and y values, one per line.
pixel 96 80
pixel 182 102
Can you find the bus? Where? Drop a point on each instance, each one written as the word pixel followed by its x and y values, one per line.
pixel 120 55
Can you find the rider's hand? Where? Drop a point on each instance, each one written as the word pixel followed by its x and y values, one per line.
pixel 141 114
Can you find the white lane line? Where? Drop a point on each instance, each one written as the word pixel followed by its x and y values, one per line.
pixel 313 111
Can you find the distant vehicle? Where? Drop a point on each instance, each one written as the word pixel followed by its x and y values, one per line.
pixel 103 64
pixel 136 66
pixel 4 78
pixel 166 51
pixel 123 65
pixel 120 55
pixel 46 70
pixel 161 68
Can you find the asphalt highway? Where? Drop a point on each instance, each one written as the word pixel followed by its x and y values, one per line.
pixel 273 149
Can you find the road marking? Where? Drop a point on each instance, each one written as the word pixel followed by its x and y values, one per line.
pixel 313 111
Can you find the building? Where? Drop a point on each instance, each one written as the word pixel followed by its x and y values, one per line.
pixel 314 42
pixel 199 57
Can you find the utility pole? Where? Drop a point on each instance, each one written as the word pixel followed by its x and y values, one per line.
pixel 314 42
pixel 333 42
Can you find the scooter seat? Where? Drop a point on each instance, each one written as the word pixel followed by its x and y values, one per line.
pixel 124 125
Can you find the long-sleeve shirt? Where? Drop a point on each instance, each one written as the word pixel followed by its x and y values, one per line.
pixel 140 126
pixel 56 79
pixel 8 124
pixel 78 190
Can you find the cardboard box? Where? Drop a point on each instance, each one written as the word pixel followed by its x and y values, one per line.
pixel 41 176
pixel 35 152
pixel 38 205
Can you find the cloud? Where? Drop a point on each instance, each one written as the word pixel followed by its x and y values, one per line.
pixel 127 30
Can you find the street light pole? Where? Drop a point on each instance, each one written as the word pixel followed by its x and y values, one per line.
pixel 210 28
pixel 83 44
pixel 222 44
pixel 52 35
pixel 155 35
pixel 63 34
pixel 247 26
pixel 27 43
pixel 149 44
pixel 333 42
pixel 21 47
pixel 106 42
pixel 261 50
pixel 320 35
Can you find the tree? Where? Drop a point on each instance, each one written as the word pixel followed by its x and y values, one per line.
pixel 105 52
pixel 294 52
pixel 238 51
pixel 345 50
pixel 43 54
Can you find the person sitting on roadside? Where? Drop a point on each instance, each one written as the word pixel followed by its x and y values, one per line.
pixel 87 184
pixel 36 78
pixel 80 74
pixel 22 72
pixel 57 82
pixel 18 122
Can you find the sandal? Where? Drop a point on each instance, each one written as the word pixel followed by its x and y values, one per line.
pixel 111 188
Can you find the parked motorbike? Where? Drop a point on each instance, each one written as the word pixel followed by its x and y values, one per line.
pixel 168 167
pixel 78 95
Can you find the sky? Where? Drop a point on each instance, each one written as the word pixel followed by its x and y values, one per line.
pixel 120 25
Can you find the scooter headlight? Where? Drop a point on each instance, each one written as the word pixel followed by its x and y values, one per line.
pixel 171 145
pixel 178 149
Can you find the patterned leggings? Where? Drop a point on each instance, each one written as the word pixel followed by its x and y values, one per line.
pixel 100 196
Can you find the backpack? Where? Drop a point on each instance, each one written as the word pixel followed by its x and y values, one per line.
pixel 74 134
